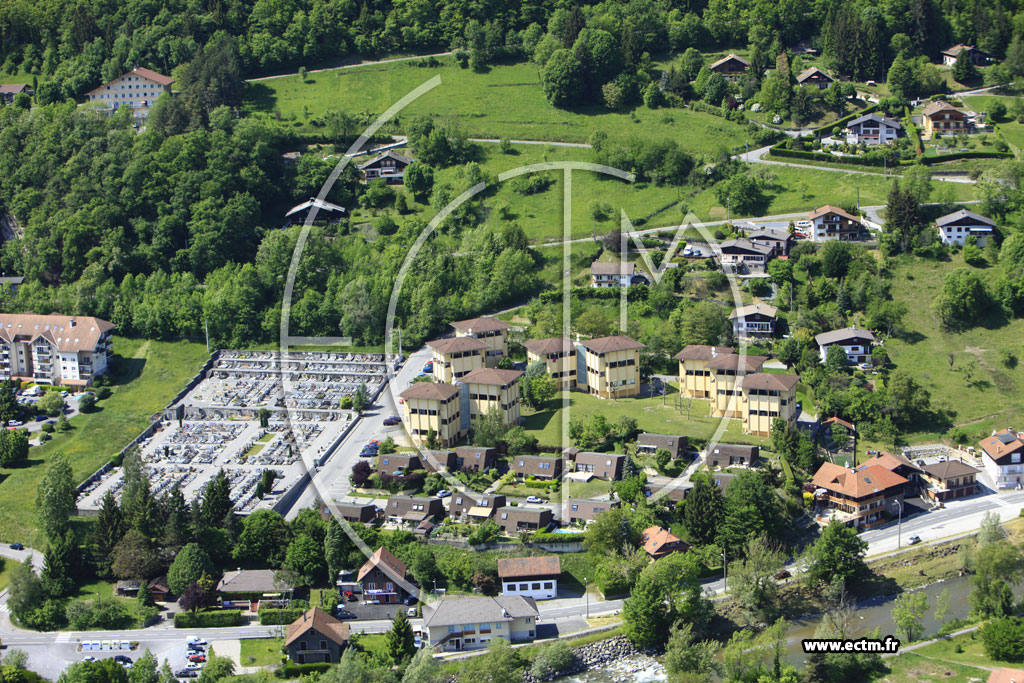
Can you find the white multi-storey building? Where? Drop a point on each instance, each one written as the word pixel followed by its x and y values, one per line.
pixel 1003 457
pixel 137 89
pixel 54 349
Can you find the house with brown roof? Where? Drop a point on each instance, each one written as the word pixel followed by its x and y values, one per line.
pixel 455 357
pixel 399 464
pixel 389 166
pixel 695 380
pixel 364 513
pixel 649 444
pixel 1003 457
pixel 559 357
pixel 898 464
pixel 950 479
pixel 316 636
pixel 159 590
pixel 1006 675
pixel 727 371
pixel 731 67
pixel 494 389
pixel 138 89
pixel 55 349
pixel 613 366
pixel 977 57
pixel 659 542
pixel 756 321
pixel 468 506
pixel 601 465
pixel 413 509
pixel 475 458
pixel 381 577
pixel 490 330
pixel 731 455
pixel 531 577
pixel 830 223
pixel 814 76
pixel 863 498
pixel 432 408
pixel 585 509
pixel 768 396
pixel 8 91
pixel 536 466
pixel 942 117
pixel 513 520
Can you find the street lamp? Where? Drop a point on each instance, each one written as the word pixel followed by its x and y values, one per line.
pixel 899 523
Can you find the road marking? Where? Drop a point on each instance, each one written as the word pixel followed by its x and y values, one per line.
pixel 64 637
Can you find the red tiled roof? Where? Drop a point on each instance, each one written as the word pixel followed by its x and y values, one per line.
pixel 859 484
pixel 152 75
pixel 515 567
pixel 384 559
pixel 430 390
pixel 614 343
pixel 828 208
pixel 483 324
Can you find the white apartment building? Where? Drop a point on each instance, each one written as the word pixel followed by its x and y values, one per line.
pixel 137 89
pixel 54 349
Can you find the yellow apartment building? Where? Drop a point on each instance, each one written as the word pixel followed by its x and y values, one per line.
pixel 493 388
pixel 491 331
pixel 613 366
pixel 559 357
pixel 727 399
pixel 767 396
pixel 428 406
pixel 695 380
pixel 455 357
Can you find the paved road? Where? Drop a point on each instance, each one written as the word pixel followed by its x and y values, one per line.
pixel 755 156
pixel 351 66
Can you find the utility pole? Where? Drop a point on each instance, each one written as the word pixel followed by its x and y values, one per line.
pixel 725 576
pixel 206 326
pixel 899 525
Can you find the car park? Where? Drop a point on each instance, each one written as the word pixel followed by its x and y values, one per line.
pixel 534 499
pixel 443 493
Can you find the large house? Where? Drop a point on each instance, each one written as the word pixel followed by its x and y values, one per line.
pixel 138 89
pixel 364 513
pixel 659 542
pixel 954 228
pixel 872 129
pixel 830 223
pixel 730 66
pixel 649 444
pixel 950 479
pixel 454 624
pixel 1003 457
pixel 856 343
pixel 245 588
pixel 726 369
pixel 492 331
pixel 515 519
pixel 894 463
pixel 316 636
pixel 9 91
pixel 388 166
pixel 942 117
pixel 754 320
pixel 585 509
pixel 977 57
pixel 536 466
pixel 858 498
pixel 399 464
pixel 454 357
pixel 695 380
pixel 779 241
pixel 601 465
pixel 491 388
pixel 55 349
pixel 613 366
pixel 431 408
pixel 559 357
pixel 743 255
pixel 767 396
pixel 613 274
pixel 475 458
pixel 531 577
pixel 814 76
pixel 731 455
pixel 381 577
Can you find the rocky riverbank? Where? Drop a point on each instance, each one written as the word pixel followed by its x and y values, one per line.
pixel 617 654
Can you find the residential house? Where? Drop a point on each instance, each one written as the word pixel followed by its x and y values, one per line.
pixel 513 520
pixel 894 463
pixel 382 577
pixel 830 223
pixel 474 507
pixel 872 129
pixel 741 255
pixel 388 166
pixel 159 590
pixel 695 380
pixel 856 343
pixel 491 388
pixel 9 91
pixel 455 624
pixel 316 636
pixel 814 76
pixel 950 479
pixel 726 370
pixel 659 542
pixel 55 349
pixel 439 461
pixel 613 366
pixel 779 241
pixel 127 588
pixel 455 357
pixel 536 466
pixel 730 455
pixel 475 458
pixel 531 577
pixel 413 509
pixel 977 57
pixel 245 588
pixel 942 117
pixel 864 498
pixel 1002 456
pixel 398 464
pixel 954 228
pixel 323 212
pixel 492 331
pixel 675 491
pixel 730 66
pixel 364 513
pixel 766 397
pixel 649 444
pixel 430 408
pixel 11 283
pixel 585 509
pixel 614 274
pixel 601 465
pixel 138 89
pixel 559 357
pixel 754 320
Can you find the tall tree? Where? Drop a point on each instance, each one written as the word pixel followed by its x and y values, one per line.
pixel 644 615
pixel 217 503
pixel 703 510
pixel 838 553
pixel 105 533
pixel 61 561
pixel 190 564
pixel 908 613
pixel 399 640
pixel 56 496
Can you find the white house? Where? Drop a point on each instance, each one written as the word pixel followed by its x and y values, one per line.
pixel 872 129
pixel 612 274
pixel 855 342
pixel 755 320
pixel 744 255
pixel 1002 457
pixel 954 228
pixel 454 624
pixel 54 349
pixel 137 89
pixel 530 577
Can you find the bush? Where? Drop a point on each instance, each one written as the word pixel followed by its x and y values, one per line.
pixel 277 617
pixel 211 619
pixel 292 671
pixel 1003 639
pixel 545 537
pixel 102 393
pixel 556 658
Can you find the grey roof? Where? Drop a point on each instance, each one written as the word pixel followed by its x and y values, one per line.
pixel 612 268
pixel 250 581
pixel 751 309
pixel 502 608
pixel 666 441
pixel 950 468
pixel 961 214
pixel 383 155
pixel 769 234
pixel 835 336
pixel 892 123
pixel 746 245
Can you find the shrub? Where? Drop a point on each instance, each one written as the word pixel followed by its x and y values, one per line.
pixel 1003 639
pixel 102 392
pixel 292 671
pixel 545 537
pixel 277 617
pixel 211 619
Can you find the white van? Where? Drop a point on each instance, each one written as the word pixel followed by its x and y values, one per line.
pixel 105 645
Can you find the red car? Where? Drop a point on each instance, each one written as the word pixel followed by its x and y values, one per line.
pixel 197 657
pixel 782 574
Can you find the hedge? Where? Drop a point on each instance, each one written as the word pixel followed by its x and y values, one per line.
pixel 821 156
pixel 967 155
pixel 545 537
pixel 295 670
pixel 213 619
pixel 277 617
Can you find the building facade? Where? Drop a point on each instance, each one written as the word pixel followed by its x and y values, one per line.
pixel 767 397
pixel 388 166
pixel 830 223
pixel 530 577
pixel 743 256
pixel 55 349
pixel 455 624
pixel 455 357
pixel 755 320
pixel 872 129
pixel 536 466
pixel 316 637
pixel 863 499
pixel 494 389
pixel 857 343
pixel 559 357
pixel 1003 458
pixel 381 577
pixel 613 366
pixel 695 380
pixel 138 89
pixel 492 331
pixel 432 408
pixel 954 228
pixel 949 480
pixel 726 371
pixel 731 67
pixel 943 118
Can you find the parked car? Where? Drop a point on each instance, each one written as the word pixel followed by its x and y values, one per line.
pixel 411 600
pixel 417 641
pixel 392 421
pixel 195 640
pixel 913 540
pixel 193 666
pixel 197 657
pixel 782 574
pixel 187 673
pixel 443 493
pixel 349 595
pixel 428 368
pixel 196 647
pixel 411 611
pixel 534 499
pixel 123 660
pixel 40 418
pixel 15 423
pixel 88 658
pixel 344 614
pixel 17 546
pixel 367 453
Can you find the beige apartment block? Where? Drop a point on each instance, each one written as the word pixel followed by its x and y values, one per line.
pixel 559 357
pixel 695 380
pixel 726 370
pixel 613 366
pixel 455 357
pixel 768 396
pixel 492 388
pixel 491 331
pixel 428 406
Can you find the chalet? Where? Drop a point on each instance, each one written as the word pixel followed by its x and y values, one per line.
pixel 649 444
pixel 613 366
pixel 814 76
pixel 413 509
pixel 316 636
pixel 779 241
pixel 531 577
pixel 455 357
pixel 559 357
pixel 138 89
pixel 585 509
pixel 536 466
pixel 389 166
pixel 474 507
pixel 977 57
pixel 894 463
pixel 159 589
pixel 601 465
pixel 743 255
pixel 398 464
pixel 730 455
pixel 245 588
pixel 1003 458
pixel 321 210
pixel 516 519
pixel 455 624
pixel 9 91
pixel 490 330
pixel 864 498
pixel 942 117
pixel 381 577
pixel 767 396
pixel 954 228
pixel 872 129
pixel 475 458
pixel 727 371
pixel 832 223
pixel 950 479
pixel 614 274
pixel 856 343
pixel 730 66
pixel 659 542
pixel 755 320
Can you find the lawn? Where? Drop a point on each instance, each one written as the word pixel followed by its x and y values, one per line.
pixel 253 450
pixel 372 644
pixel 261 651
pixel 912 666
pixel 973 653
pixel 595 488
pixel 146 374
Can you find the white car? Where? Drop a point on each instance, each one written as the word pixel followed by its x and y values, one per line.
pixel 411 612
pixel 195 640
pixel 15 423
pixel 195 666
pixel 88 658
pixel 534 499
pixel 444 493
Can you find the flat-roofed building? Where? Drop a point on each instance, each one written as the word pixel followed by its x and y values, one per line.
pixel 613 366
pixel 585 509
pixel 513 520
pixel 490 330
pixel 455 357
pixel 491 388
pixel 649 444
pixel 559 357
pixel 601 465
pixel 428 408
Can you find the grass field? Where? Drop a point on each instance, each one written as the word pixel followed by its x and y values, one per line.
pixel 261 651
pixel 913 666
pixel 146 374
pixel 973 653
pixel 595 488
